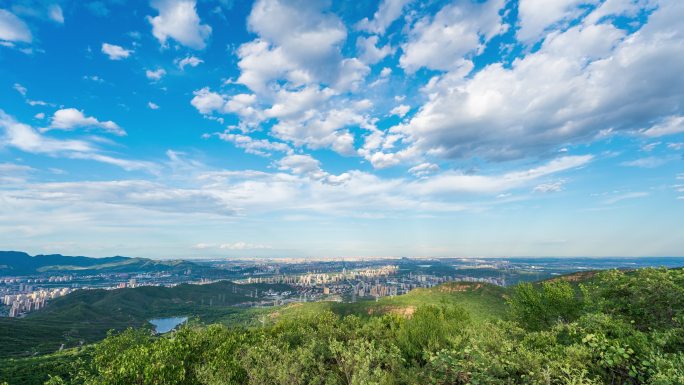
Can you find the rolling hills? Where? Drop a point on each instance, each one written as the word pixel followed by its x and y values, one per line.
pixel 17 263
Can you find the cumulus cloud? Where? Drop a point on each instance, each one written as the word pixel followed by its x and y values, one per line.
pixel 115 52
pixel 298 41
pixel 400 110
pixel 71 118
pixel 191 61
pixel 261 147
pixel 535 16
pixel 557 95
pixel 155 75
pixel 13 29
pixel 368 50
pixel 152 106
pixel 442 42
pixel 310 167
pixel 206 101
pixel 178 20
pixel 387 13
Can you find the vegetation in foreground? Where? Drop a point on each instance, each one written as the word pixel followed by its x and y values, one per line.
pixel 615 328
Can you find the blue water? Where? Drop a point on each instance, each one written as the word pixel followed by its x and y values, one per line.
pixel 165 325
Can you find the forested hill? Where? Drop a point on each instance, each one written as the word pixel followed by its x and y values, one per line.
pixel 85 316
pixel 611 327
pixel 17 263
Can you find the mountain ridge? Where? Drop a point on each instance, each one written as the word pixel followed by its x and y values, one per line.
pixel 21 263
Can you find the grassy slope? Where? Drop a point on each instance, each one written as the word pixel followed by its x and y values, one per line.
pixel 482 301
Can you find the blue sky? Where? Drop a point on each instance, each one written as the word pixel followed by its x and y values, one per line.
pixel 189 128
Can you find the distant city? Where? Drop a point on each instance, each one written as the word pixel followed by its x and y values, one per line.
pixel 347 280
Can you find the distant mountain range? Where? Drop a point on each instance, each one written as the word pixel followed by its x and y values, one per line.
pixel 20 263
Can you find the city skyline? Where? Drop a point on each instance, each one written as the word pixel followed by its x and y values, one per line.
pixel 183 128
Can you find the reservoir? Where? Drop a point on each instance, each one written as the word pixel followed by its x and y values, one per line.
pixel 164 325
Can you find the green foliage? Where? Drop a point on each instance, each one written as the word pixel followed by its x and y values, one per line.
pixel 540 309
pixel 430 329
pixel 86 315
pixel 558 333
pixel 650 298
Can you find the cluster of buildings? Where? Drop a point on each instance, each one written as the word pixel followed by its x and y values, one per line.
pixel 351 285
pixel 29 301
pixel 317 279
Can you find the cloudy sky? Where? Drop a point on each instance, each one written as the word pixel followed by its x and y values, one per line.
pixel 176 128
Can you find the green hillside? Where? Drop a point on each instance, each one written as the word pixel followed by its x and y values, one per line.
pixel 15 263
pixel 482 302
pixel 611 327
pixel 86 315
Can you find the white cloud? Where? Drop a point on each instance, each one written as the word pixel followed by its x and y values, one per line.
pixel 442 42
pixel 299 41
pixel 26 138
pixel 40 115
pixel 115 52
pixel 206 101
pixel 549 187
pixel 557 95
pixel 675 146
pixel 535 16
pixel 297 77
pixel 369 53
pixel 262 147
pixel 20 89
pixel 648 162
pixel 669 126
pixel 71 118
pixel 178 20
pixel 191 61
pixel 13 29
pixel 400 110
pixel 152 106
pixel 650 146
pixel 424 169
pixel 388 12
pixel 306 165
pixel 155 75
pixel 243 246
pixel 621 197
pixel 11 173
pixel 451 182
pixel 300 164
pixel 55 13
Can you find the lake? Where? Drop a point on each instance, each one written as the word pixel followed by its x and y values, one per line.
pixel 164 325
